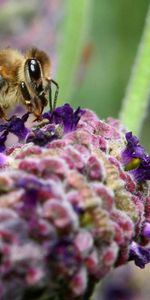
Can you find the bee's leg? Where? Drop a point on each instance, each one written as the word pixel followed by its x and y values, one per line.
pixel 3 87
pixel 43 100
pixel 25 95
pixel 50 97
pixel 38 116
pixel 3 115
pixel 52 104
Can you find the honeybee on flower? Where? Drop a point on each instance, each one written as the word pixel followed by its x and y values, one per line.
pixel 25 79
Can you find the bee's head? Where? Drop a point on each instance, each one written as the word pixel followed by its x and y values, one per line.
pixel 37 68
pixel 36 88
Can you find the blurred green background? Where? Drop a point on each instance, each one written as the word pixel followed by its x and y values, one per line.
pixel 103 71
pixel 102 74
pixel 115 34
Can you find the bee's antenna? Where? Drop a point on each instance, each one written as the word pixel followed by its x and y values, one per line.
pixel 50 97
pixel 53 104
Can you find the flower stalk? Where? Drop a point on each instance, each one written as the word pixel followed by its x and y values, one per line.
pixel 74 34
pixel 135 103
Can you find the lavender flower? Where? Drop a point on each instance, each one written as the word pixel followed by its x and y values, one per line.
pixel 16 126
pixel 69 211
pixel 66 116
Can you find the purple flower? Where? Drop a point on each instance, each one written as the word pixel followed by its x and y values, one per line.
pixel 62 120
pixel 133 148
pixel 41 137
pixel 16 126
pixel 34 189
pixel 135 159
pixel 78 211
pixel 3 139
pixel 66 116
pixel 139 254
pixel 62 117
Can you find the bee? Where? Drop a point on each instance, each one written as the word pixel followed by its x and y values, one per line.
pixel 25 79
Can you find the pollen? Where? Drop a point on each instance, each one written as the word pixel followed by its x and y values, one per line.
pixel 133 164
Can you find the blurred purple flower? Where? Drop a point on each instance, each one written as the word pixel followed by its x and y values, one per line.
pixel 146 230
pixel 3 160
pixel 139 254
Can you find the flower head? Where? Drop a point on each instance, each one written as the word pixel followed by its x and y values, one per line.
pixel 69 211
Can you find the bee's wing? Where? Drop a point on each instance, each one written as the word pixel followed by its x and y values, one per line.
pixel 3 81
pixel 4 76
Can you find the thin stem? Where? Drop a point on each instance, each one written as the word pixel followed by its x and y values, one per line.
pixel 136 100
pixel 74 32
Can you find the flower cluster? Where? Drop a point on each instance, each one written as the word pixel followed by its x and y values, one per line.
pixel 71 208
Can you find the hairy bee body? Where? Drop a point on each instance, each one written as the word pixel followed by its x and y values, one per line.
pixel 10 61
pixel 24 79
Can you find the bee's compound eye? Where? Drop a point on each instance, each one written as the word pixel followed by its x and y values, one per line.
pixel 34 69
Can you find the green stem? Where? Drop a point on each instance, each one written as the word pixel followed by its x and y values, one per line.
pixel 74 32
pixel 135 103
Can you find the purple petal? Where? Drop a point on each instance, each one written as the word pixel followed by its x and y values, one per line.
pixel 31 185
pixel 16 126
pixel 3 139
pixel 139 254
pixel 133 151
pixel 41 136
pixel 3 160
pixel 146 230
pixel 66 116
